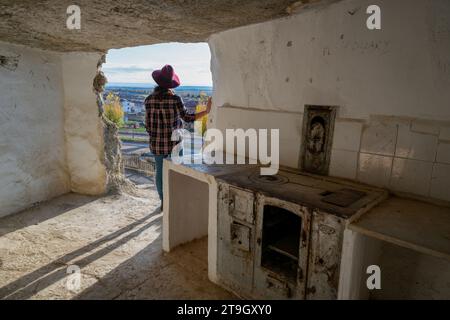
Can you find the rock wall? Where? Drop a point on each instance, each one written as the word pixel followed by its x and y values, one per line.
pixel 391 86
pixel 109 24
pixel 33 163
pixel 51 134
pixel 83 126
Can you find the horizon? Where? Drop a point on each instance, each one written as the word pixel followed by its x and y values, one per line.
pixel 134 65
pixel 150 85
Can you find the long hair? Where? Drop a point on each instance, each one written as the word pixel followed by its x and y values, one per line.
pixel 161 91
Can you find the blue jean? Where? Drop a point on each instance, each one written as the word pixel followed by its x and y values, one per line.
pixel 159 159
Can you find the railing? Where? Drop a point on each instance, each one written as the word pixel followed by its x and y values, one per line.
pixel 136 162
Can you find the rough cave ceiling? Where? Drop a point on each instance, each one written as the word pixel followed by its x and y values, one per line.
pixel 118 23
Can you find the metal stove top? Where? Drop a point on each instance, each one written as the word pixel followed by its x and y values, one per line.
pixel 340 197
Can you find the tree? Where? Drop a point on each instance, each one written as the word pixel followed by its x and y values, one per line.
pixel 113 109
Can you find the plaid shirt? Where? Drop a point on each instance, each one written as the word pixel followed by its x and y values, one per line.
pixel 163 114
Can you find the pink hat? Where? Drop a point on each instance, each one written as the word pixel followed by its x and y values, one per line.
pixel 166 77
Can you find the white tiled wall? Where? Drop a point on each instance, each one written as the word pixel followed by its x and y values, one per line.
pixel 374 169
pixel 344 163
pixel 411 176
pixel 418 146
pixel 440 181
pixel 443 152
pixel 399 154
pixel 405 155
pixel 379 138
pixel 347 135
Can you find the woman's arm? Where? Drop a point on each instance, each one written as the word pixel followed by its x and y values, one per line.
pixel 194 116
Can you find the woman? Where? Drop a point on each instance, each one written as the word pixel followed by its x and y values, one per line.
pixel 164 111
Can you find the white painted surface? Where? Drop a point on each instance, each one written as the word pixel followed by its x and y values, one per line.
pixel 411 176
pixel 288 124
pixel 391 86
pixel 328 56
pixel 424 126
pixel 379 138
pixel 51 138
pixel 83 127
pixel 344 164
pixel 171 239
pixel 374 169
pixel 408 274
pixel 358 252
pixel 443 152
pixel 405 273
pixel 417 146
pixel 347 135
pixel 440 181
pixel 32 148
pixel 444 133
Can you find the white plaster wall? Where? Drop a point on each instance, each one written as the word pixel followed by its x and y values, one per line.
pixel 408 274
pixel 32 148
pixel 391 86
pixel 288 123
pixel 328 56
pixel 83 126
pixel 358 252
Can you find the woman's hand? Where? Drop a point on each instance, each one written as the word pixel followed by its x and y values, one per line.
pixel 208 105
pixel 206 111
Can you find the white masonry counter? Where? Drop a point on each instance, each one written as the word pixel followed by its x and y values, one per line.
pixel 193 214
pixel 410 242
pixel 409 223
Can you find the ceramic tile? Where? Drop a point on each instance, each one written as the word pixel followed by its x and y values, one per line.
pixel 444 133
pixel 347 135
pixel 344 163
pixel 423 126
pixel 414 145
pixel 379 138
pixel 443 152
pixel 440 182
pixel 411 176
pixel 374 169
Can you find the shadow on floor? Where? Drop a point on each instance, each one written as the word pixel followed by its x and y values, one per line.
pixel 26 286
pixel 41 213
pixel 152 274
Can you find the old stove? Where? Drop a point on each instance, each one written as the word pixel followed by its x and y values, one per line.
pixel 280 236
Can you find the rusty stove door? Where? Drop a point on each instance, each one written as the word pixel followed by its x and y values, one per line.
pixel 236 239
pixel 268 283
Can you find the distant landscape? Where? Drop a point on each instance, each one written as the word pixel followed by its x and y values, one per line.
pixel 132 96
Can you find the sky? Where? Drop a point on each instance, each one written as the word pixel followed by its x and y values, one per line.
pixel 191 62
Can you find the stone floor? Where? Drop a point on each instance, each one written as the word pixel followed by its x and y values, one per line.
pixel 114 240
